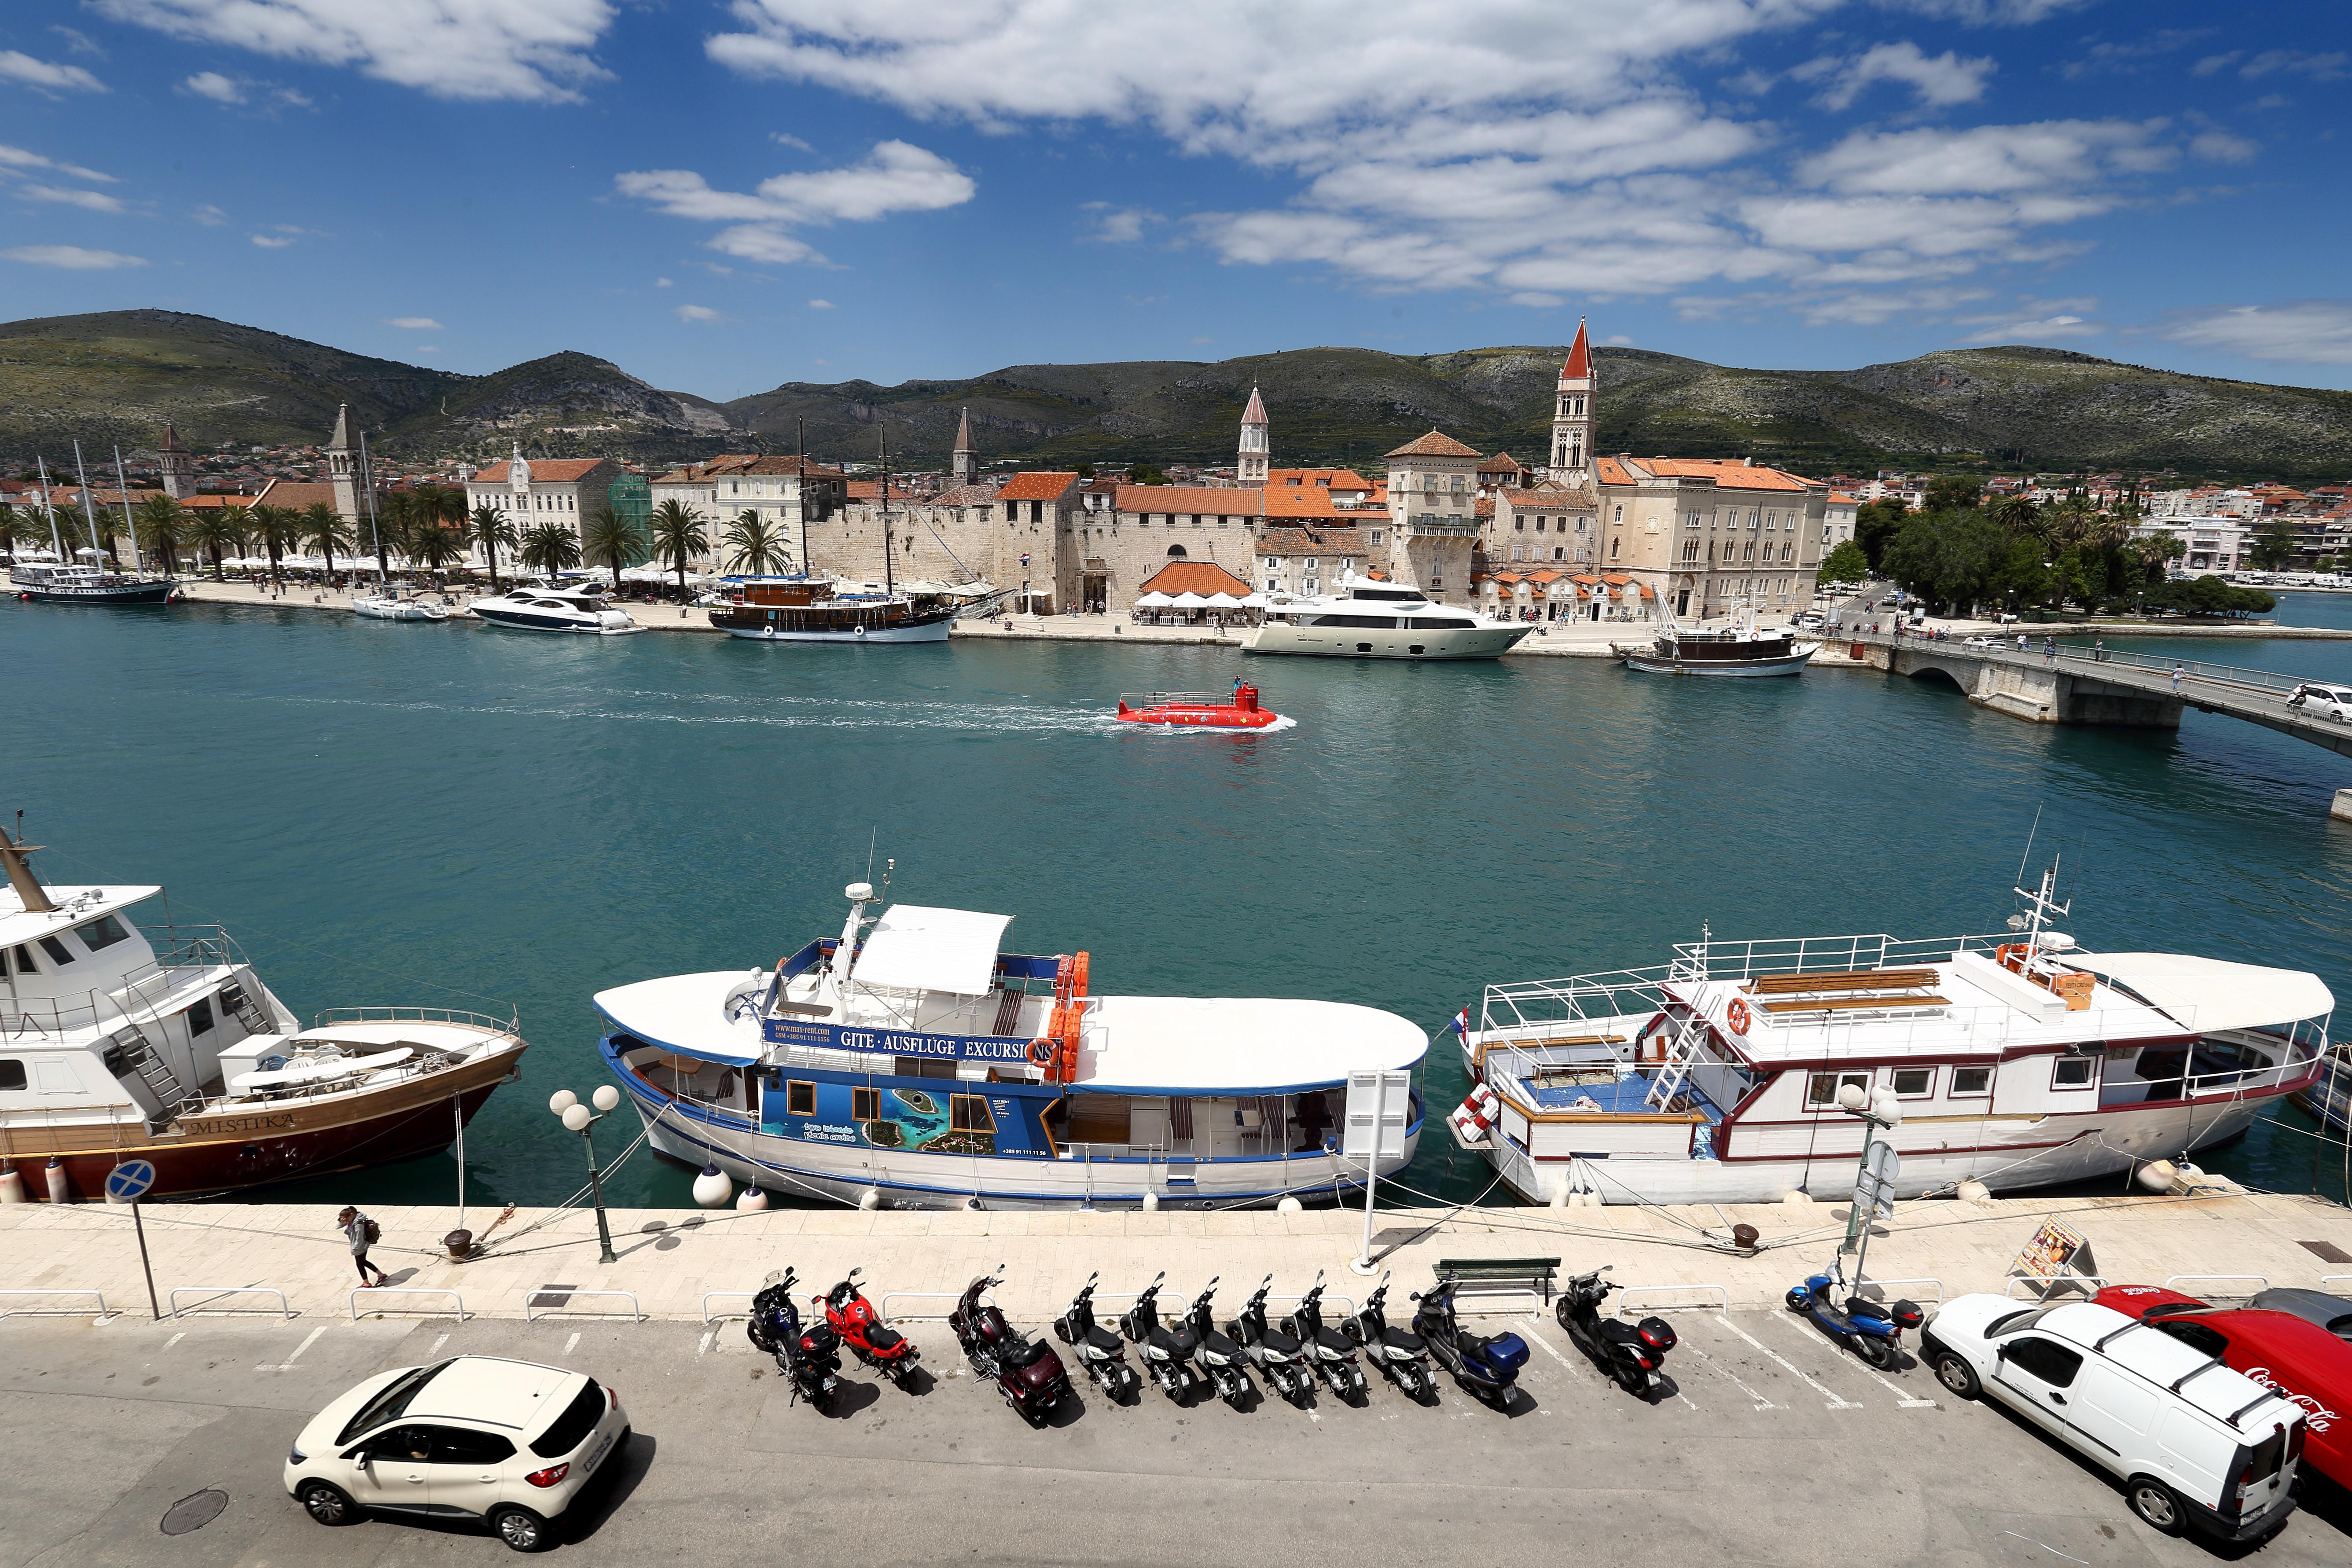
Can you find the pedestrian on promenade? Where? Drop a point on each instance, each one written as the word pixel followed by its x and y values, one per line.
pixel 2049 651
pixel 363 1232
pixel 2099 650
pixel 2177 673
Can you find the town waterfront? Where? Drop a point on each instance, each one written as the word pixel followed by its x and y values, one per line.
pixel 442 814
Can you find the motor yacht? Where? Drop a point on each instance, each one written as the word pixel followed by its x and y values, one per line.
pixel 578 610
pixel 1367 619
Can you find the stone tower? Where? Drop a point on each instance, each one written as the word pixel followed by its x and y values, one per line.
pixel 343 466
pixel 179 466
pixel 1251 469
pixel 966 465
pixel 1572 416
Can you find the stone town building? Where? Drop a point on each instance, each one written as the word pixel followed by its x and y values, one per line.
pixel 1533 543
pixel 1503 471
pixel 1574 414
pixel 176 464
pixel 785 494
pixel 1023 534
pixel 565 491
pixel 1253 452
pixel 964 465
pixel 1306 559
pixel 1711 534
pixel 1432 526
pixel 1150 525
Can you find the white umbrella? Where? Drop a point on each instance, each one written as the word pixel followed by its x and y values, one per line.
pixel 1188 601
pixel 1256 602
pixel 1224 601
pixel 1154 601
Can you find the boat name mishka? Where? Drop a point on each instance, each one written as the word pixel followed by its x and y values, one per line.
pixel 783 1032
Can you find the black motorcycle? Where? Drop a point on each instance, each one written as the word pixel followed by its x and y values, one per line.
pixel 1488 1368
pixel 1167 1353
pixel 1101 1352
pixel 1632 1354
pixel 1225 1361
pixel 1401 1357
pixel 1327 1350
pixel 809 1355
pixel 1279 1357
pixel 1027 1371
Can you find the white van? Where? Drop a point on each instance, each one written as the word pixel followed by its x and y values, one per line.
pixel 2195 1444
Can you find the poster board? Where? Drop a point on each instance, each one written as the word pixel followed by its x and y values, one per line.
pixel 2057 1253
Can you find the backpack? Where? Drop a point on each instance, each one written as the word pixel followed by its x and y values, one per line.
pixel 371 1231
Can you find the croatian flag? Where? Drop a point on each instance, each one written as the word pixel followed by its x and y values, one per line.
pixel 1461 1025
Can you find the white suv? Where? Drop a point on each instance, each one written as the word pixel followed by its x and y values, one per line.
pixel 2193 1443
pixel 2323 701
pixel 507 1442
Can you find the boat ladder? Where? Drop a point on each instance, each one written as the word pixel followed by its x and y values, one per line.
pixel 157 1075
pixel 233 998
pixel 1673 1069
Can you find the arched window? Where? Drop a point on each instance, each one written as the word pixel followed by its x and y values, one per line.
pixel 1175 552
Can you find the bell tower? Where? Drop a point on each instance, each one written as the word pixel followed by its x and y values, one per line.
pixel 343 466
pixel 1572 418
pixel 965 465
pixel 1250 470
pixel 178 465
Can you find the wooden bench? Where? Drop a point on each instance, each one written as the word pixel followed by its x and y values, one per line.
pixel 1842 1004
pixel 1842 980
pixel 1537 1272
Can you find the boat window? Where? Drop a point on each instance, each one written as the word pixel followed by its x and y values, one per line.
pixel 59 954
pixel 1822 1088
pixel 2051 1361
pixel 1913 1083
pixel 866 1105
pixel 200 1016
pixel 103 931
pixel 1970 1081
pixel 800 1098
pixel 1444 624
pixel 12 1074
pixel 2074 1072
pixel 25 965
pixel 968 1113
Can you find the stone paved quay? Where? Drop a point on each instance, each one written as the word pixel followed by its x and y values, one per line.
pixel 669 1258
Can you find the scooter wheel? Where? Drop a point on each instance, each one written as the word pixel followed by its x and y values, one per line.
pixel 1877 1352
pixel 1798 1298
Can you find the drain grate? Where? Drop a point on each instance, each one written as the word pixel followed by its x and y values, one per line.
pixel 195 1512
pixel 2328 1251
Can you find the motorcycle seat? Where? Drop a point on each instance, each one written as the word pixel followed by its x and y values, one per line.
pixel 1217 1344
pixel 1173 1341
pixel 1104 1340
pixel 1277 1343
pixel 883 1339
pixel 1398 1340
pixel 1020 1351
pixel 1333 1340
pixel 1617 1332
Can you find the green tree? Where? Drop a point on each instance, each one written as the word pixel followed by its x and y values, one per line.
pixel 1146 474
pixel 16 528
pixel 551 548
pixel 324 527
pixel 1083 469
pixel 489 528
pixel 159 521
pixel 277 528
pixel 1948 558
pixel 1846 563
pixel 752 546
pixel 615 539
pixel 213 531
pixel 2274 546
pixel 432 544
pixel 1876 524
pixel 2017 516
pixel 677 534
pixel 1952 492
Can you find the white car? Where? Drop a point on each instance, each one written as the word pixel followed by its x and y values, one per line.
pixel 1978 641
pixel 2194 1444
pixel 510 1443
pixel 2323 701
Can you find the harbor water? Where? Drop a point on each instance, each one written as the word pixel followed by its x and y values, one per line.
pixel 450 816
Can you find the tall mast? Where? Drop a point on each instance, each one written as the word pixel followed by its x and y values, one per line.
pixel 20 875
pixel 889 588
pixel 88 515
pixel 122 488
pixel 367 482
pixel 55 544
pixel 800 456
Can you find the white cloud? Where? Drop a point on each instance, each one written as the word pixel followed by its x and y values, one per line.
pixel 533 50
pixel 212 85
pixel 44 77
pixel 820 304
pixel 90 201
pixel 414 323
pixel 664 283
pixel 78 42
pixel 209 215
pixel 1117 224
pixel 697 314
pixel 2295 332
pixel 895 177
pixel 71 256
pixel 2217 146
pixel 18 158
pixel 273 241
pixel 786 138
pixel 1989 12
pixel 1940 81
pixel 2274 62
pixel 2034 322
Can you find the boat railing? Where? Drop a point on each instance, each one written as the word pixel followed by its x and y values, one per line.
pixel 509 1024
pixel 1177 698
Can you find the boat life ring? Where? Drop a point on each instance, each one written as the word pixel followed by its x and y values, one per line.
pixel 2012 956
pixel 1040 1052
pixel 1737 1016
pixel 1476 1115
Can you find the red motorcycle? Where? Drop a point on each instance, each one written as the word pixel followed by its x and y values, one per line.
pixel 869 1339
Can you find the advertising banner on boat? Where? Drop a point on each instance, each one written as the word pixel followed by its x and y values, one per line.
pixel 895 1043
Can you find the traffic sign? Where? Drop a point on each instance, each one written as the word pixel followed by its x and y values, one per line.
pixel 129 1180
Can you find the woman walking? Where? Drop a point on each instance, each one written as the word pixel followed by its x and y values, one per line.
pixel 363 1233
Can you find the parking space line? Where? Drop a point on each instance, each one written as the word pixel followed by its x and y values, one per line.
pixel 1903 1399
pixel 436 1346
pixel 288 1364
pixel 710 1338
pixel 573 1344
pixel 1709 1362
pixel 1836 1401
pixel 175 1339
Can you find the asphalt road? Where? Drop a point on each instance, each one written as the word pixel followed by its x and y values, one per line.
pixel 1773 1448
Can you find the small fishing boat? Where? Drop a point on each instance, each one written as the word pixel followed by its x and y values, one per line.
pixel 2328 1098
pixel 1740 648
pixel 1199 709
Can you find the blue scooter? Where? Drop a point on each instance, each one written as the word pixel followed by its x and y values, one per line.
pixel 1872 1329
pixel 1488 1368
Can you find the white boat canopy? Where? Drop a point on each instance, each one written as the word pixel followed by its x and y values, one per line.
pixel 912 948
pixel 2208 994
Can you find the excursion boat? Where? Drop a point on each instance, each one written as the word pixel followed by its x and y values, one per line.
pixel 112 1049
pixel 910 1062
pixel 1382 620
pixel 2018 1060
pixel 813 609
pixel 1740 648
pixel 581 611
pixel 1199 709
pixel 53 584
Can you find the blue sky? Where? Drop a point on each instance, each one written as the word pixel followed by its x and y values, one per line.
pixel 722 196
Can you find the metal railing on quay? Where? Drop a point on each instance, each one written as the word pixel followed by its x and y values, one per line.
pixel 883 1306
pixel 376 1292
pixel 709 1295
pixel 215 1291
pixel 635 1313
pixel 55 1312
pixel 2048 1284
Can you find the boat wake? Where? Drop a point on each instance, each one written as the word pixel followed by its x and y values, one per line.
pixel 782 713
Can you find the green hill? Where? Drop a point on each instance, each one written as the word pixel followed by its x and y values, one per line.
pixel 118 376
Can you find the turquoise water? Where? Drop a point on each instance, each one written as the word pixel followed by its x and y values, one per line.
pixel 441 815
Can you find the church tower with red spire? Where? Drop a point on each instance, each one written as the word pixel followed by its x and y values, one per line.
pixel 1572 416
pixel 1255 449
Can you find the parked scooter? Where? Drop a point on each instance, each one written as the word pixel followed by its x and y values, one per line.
pixel 1401 1356
pixel 1330 1352
pixel 1167 1353
pixel 1027 1371
pixel 1276 1354
pixel 809 1356
pixel 1488 1367
pixel 1872 1329
pixel 869 1339
pixel 1632 1354
pixel 1223 1360
pixel 1100 1352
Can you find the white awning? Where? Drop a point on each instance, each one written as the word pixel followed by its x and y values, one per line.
pixel 1188 601
pixel 917 949
pixel 1223 602
pixel 1154 600
pixel 2208 994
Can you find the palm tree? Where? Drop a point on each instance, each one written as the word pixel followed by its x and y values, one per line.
pixel 323 526
pixel 551 548
pixel 677 534
pixel 488 528
pixel 615 539
pixel 276 527
pixel 212 529
pixel 434 544
pixel 159 521
pixel 2018 516
pixel 752 547
pixel 396 523
pixel 15 527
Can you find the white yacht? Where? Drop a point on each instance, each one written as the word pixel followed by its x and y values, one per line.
pixel 385 605
pixel 2014 1059
pixel 1367 619
pixel 579 610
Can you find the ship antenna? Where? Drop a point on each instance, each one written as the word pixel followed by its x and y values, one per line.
pixel 2028 855
pixel 887 867
pixel 873 837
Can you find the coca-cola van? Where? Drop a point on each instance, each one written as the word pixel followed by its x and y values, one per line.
pixel 2281 1351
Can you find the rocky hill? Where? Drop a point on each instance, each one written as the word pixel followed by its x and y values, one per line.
pixel 118 376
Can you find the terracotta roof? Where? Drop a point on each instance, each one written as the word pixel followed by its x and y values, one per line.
pixel 963 431
pixel 1436 444
pixel 300 496
pixel 1231 500
pixel 1483 507
pixel 213 499
pixel 1500 463
pixel 1310 542
pixel 1309 502
pixel 871 490
pixel 1730 474
pixel 965 495
pixel 1610 471
pixel 1327 479
pixel 1255 413
pixel 1841 495
pixel 1202 578
pixel 1579 356
pixel 544 471
pixel 1044 486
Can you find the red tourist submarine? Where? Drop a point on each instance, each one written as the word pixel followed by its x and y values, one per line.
pixel 1199 709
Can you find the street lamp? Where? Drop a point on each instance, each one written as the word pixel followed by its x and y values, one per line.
pixel 578 1118
pixel 1879 1112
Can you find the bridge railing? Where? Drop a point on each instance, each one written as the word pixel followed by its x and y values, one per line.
pixel 2084 654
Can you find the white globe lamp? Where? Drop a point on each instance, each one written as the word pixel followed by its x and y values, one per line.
pixel 606 1097
pixel 577 1115
pixel 561 1101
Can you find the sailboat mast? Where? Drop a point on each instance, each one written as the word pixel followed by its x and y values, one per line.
pixel 55 544
pixel 800 458
pixel 122 488
pixel 889 547
pixel 82 476
pixel 367 481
